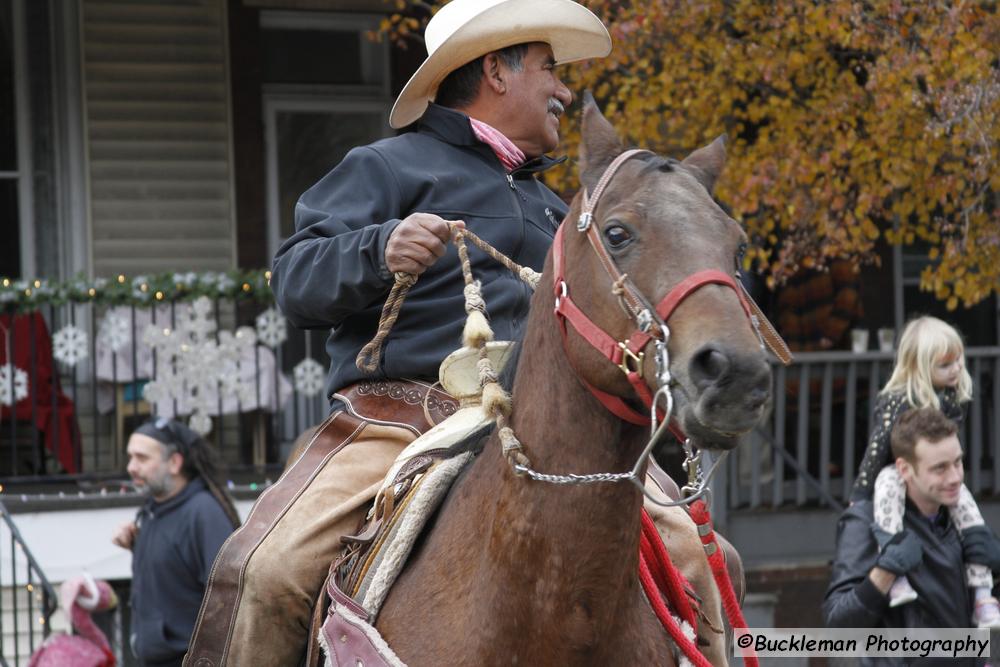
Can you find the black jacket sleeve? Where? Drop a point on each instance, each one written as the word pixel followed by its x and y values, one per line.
pixel 852 600
pixel 334 264
pixel 888 407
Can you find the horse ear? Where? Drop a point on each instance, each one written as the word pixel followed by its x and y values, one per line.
pixel 599 143
pixel 706 163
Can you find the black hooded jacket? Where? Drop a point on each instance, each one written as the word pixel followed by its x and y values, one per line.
pixel 171 560
pixel 331 273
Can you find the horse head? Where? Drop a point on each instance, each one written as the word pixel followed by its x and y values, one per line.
pixel 676 253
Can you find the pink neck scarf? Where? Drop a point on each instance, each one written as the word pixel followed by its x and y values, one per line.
pixel 509 155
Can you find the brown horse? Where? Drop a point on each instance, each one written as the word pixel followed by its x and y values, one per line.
pixel 516 571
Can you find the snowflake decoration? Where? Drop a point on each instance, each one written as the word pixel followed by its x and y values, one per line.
pixel 308 377
pixel 199 321
pixel 115 332
pixel 272 328
pixel 69 345
pixel 198 369
pixel 166 340
pixel 245 338
pixel 14 381
pixel 200 423
pixel 163 388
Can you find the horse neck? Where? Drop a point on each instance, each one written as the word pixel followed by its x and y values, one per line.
pixel 582 540
pixel 563 427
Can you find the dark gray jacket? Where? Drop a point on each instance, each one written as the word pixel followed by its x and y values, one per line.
pixel 331 273
pixel 172 557
pixel 852 601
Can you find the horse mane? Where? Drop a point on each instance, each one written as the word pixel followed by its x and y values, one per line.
pixel 656 162
pixel 509 371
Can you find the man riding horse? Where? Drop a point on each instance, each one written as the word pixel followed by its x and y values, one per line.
pixel 486 107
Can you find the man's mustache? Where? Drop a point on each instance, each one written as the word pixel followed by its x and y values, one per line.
pixel 556 108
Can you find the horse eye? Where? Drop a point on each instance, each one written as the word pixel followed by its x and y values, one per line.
pixel 617 236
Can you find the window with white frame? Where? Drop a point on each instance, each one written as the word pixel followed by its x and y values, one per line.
pixel 326 90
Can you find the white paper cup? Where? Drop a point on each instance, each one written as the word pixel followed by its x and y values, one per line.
pixel 859 340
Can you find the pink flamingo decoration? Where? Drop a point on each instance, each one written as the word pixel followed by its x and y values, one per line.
pixel 89 647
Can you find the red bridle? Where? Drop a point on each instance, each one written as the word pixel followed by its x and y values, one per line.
pixel 629 354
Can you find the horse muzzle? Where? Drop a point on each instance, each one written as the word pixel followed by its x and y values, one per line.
pixel 727 393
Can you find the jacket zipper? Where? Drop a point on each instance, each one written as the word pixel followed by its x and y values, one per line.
pixel 515 323
pixel 551 217
pixel 510 181
pixel 524 221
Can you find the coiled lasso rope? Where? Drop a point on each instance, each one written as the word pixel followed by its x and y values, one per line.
pixel 477 332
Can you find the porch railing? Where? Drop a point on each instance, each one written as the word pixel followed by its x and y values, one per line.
pixel 807 453
pixel 74 419
pixel 27 600
pixel 71 400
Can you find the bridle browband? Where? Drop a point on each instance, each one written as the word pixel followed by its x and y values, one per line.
pixel 651 324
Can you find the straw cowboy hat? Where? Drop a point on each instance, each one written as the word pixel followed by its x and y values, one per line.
pixel 464 30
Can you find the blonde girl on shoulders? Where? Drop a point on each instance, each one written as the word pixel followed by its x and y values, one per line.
pixel 929 372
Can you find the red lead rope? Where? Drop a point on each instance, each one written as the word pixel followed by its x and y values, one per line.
pixel 660 579
pixel 700 516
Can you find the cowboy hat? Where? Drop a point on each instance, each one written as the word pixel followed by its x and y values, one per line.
pixel 464 30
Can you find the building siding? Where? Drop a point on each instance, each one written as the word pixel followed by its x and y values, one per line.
pixel 158 136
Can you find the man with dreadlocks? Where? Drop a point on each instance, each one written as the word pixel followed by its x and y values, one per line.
pixel 174 538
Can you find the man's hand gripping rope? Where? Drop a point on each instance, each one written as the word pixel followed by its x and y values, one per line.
pixel 477 332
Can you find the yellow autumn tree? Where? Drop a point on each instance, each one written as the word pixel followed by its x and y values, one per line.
pixel 848 121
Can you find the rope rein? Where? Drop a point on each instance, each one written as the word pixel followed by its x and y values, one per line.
pixel 371 354
pixel 495 400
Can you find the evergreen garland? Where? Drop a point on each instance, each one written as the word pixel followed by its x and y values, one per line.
pixel 141 291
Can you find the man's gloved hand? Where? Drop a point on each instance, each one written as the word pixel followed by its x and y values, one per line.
pixel 900 553
pixel 980 546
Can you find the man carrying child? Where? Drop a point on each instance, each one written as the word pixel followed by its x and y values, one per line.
pixel 929 550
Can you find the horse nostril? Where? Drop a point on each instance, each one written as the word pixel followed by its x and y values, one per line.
pixel 709 366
